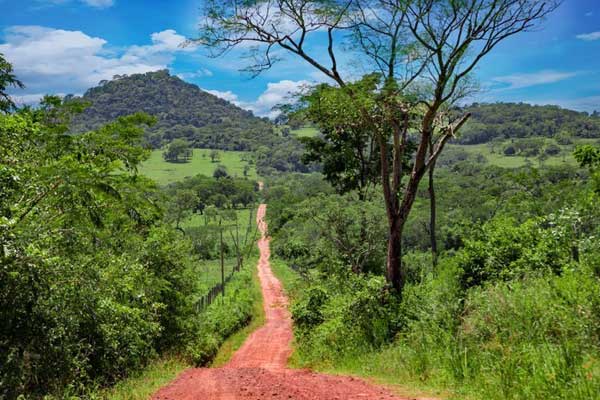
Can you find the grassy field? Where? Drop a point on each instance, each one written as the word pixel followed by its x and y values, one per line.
pixel 164 172
pixel 500 160
pixel 209 271
pixel 497 158
pixel 306 131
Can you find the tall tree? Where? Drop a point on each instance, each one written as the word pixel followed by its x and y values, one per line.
pixel 7 80
pixel 424 51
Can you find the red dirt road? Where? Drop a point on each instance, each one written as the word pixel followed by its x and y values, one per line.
pixel 258 369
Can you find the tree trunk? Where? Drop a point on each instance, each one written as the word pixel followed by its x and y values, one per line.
pixel 395 273
pixel 432 217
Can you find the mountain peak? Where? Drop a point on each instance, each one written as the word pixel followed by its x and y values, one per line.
pixel 182 109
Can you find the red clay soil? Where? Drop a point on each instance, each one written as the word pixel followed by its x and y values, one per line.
pixel 258 369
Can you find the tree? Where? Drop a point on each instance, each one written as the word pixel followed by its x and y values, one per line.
pixel 345 149
pixel 176 149
pixel 588 156
pixel 214 156
pixel 220 172
pixel 182 205
pixel 7 80
pixel 423 50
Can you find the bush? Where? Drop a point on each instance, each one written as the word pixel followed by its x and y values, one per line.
pixel 222 318
pixel 350 316
pixel 504 250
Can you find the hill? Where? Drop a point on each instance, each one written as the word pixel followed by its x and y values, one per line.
pixel 499 121
pixel 182 109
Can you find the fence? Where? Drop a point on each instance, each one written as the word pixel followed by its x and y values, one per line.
pixel 215 291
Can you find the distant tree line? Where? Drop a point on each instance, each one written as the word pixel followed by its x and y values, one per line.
pixel 520 120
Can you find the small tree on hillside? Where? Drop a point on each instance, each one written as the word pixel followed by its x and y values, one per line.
pixel 220 172
pixel 423 51
pixel 178 150
pixel 214 156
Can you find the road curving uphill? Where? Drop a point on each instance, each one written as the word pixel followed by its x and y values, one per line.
pixel 258 369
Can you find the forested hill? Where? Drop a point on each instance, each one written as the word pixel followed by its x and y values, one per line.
pixel 182 109
pixel 519 120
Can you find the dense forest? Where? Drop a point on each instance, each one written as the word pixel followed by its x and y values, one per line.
pixel 183 111
pixel 519 120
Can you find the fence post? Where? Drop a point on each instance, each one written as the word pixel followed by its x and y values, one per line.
pixel 222 260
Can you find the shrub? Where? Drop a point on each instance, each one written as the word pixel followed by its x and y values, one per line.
pixel 504 250
pixel 223 317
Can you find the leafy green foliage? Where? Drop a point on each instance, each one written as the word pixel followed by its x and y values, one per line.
pixel 504 250
pixel 223 318
pixel 93 284
pixel 7 80
pixel 178 148
pixel 589 157
pixel 520 120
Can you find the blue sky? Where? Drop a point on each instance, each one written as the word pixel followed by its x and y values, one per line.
pixel 67 46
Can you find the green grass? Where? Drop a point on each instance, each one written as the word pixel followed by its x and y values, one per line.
pixel 164 172
pixel 235 341
pixel 500 160
pixel 307 131
pixel 209 271
pixel 141 386
pixel 288 277
pixel 371 367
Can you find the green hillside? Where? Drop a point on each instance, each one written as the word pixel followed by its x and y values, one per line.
pixel 182 110
pixel 520 120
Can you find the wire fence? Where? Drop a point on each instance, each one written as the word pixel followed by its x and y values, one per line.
pixel 219 289
pixel 243 250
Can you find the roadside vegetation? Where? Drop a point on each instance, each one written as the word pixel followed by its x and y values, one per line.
pixel 510 311
pixel 102 269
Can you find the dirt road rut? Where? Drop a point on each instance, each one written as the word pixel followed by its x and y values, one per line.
pixel 258 369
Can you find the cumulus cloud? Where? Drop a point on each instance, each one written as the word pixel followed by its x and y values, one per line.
pixel 276 93
pixel 588 37
pixel 519 81
pixel 49 60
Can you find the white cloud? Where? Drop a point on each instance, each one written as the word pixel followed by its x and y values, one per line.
pixel 99 3
pixel 228 95
pixel 588 37
pixel 91 3
pixel 276 93
pixel 49 60
pixel 519 81
pixel 201 73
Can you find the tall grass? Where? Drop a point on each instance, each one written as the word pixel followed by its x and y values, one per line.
pixel 532 338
